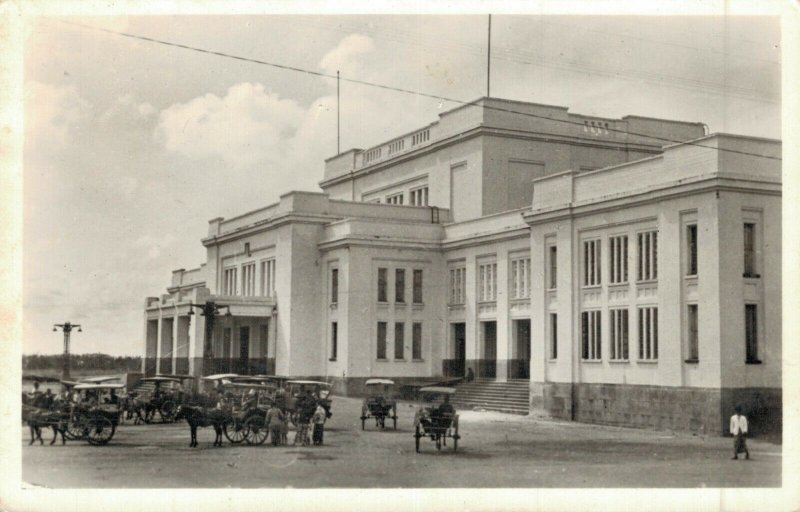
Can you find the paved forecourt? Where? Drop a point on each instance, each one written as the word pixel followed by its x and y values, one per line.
pixel 496 450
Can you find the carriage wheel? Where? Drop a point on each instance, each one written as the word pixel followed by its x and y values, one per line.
pixel 75 430
pixel 236 432
pixel 167 411
pixel 417 435
pixel 100 430
pixel 256 430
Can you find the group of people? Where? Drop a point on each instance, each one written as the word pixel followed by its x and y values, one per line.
pixel 311 415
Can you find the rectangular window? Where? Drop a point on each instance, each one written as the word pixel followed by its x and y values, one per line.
pixel 417 293
pixel 382 282
pixel 619 334
pixel 648 334
pixel 334 340
pixel 400 285
pixel 229 281
pixel 590 336
pixel 334 285
pixel 458 277
pixel 521 278
pixel 751 333
pixel 395 199
pixel 749 250
pixel 487 274
pixel 591 263
pixel 647 256
pixel 553 266
pixel 399 340
pixel 381 340
pixel 618 259
pixel 419 197
pixel 268 278
pixel 692 341
pixel 263 339
pixel 691 250
pixel 553 336
pixel 249 279
pixel 416 341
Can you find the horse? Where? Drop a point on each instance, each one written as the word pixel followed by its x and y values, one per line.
pixel 197 416
pixel 43 418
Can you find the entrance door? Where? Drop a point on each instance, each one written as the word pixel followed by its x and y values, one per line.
pixel 487 367
pixel 520 367
pixel 456 367
pixel 244 350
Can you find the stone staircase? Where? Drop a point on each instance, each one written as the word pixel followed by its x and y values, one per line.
pixel 511 396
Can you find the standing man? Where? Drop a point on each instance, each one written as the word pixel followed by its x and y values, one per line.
pixel 319 425
pixel 275 421
pixel 739 431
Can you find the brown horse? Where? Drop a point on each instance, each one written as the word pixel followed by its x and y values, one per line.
pixel 197 416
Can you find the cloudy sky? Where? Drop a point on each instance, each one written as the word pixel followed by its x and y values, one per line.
pixel 131 147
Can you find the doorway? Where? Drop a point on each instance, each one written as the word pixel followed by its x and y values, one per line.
pixel 521 361
pixel 244 350
pixel 487 364
pixel 456 367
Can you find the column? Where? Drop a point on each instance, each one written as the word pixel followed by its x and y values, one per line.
pixel 472 348
pixel 503 324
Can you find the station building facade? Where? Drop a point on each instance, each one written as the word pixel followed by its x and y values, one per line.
pixel 630 282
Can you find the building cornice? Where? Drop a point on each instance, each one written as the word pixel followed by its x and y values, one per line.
pixel 671 190
pixel 488 131
pixel 486 238
pixel 266 224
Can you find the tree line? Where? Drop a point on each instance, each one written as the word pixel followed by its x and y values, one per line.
pixel 82 361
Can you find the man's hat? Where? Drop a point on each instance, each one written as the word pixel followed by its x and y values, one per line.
pixel 738 408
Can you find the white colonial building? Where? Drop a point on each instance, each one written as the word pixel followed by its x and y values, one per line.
pixel 630 281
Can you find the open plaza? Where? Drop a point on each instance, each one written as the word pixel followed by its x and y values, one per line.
pixel 496 450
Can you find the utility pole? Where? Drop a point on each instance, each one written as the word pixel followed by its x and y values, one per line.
pixel 67 328
pixel 489 60
pixel 337 113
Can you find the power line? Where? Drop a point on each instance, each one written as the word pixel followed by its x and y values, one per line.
pixel 406 91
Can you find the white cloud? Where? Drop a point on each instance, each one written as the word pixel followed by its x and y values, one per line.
pixel 246 126
pixel 346 57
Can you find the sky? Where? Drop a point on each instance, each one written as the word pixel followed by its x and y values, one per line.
pixel 131 146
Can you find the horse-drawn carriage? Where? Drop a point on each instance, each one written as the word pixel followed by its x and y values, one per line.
pixel 437 422
pixel 379 404
pixel 164 398
pixel 303 396
pixel 94 418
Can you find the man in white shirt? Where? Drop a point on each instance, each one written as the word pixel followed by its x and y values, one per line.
pixel 739 431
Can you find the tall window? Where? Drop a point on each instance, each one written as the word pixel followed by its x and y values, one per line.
pixel 399 340
pixel 268 278
pixel 419 197
pixel 591 262
pixel 381 340
pixel 749 249
pixel 692 336
pixel 334 340
pixel 553 266
pixel 691 250
pixel 591 340
pixel 618 259
pixel 487 282
pixel 395 199
pixel 648 334
pixel 334 285
pixel 400 285
pixel 417 293
pixel 619 334
pixel 553 336
pixel 521 278
pixel 647 256
pixel 249 279
pixel 416 341
pixel 229 281
pixel 458 278
pixel 227 334
pixel 382 281
pixel 751 333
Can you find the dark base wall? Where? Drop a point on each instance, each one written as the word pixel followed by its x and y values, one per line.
pixel 701 410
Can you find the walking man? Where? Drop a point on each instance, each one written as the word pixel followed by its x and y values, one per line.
pixel 739 431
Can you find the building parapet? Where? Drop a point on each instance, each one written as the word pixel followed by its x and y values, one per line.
pixel 680 163
pixel 490 224
pixel 369 229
